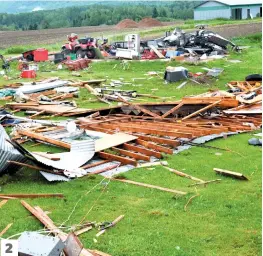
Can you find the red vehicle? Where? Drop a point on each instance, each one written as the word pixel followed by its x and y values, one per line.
pixel 82 47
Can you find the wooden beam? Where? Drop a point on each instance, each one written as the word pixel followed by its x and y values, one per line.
pixel 159 140
pixel 41 137
pixel 205 182
pixel 83 230
pixel 154 146
pixel 225 102
pixel 147 130
pixel 236 175
pixel 5 229
pixel 87 166
pixel 104 169
pixel 182 174
pixel 45 221
pixel 141 150
pixel 121 159
pixel 202 110
pixel 132 154
pixel 34 167
pixel 3 202
pixel 152 186
pixel 141 109
pixel 172 110
pixel 34 195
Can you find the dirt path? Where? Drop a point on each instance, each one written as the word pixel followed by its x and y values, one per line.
pixel 51 36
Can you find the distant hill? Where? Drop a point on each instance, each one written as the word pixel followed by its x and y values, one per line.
pixel 22 6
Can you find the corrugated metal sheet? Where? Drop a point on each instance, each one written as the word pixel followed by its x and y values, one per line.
pixel 8 152
pixel 81 152
pixel 26 89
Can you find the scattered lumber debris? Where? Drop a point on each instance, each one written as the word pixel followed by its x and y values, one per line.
pixel 83 230
pixel 49 224
pixel 236 175
pixel 3 202
pixel 204 182
pixel 5 229
pixel 59 195
pixel 179 173
pixel 245 86
pixel 151 186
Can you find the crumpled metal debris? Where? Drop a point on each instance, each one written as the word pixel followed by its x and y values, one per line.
pixel 8 153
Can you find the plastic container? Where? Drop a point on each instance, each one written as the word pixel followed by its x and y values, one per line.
pixel 73 56
pixel 41 54
pixel 28 74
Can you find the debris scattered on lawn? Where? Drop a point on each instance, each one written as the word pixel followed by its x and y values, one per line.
pixel 236 175
pixel 5 229
pixel 255 142
pixel 3 202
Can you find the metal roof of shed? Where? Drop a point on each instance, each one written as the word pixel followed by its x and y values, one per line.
pixel 235 2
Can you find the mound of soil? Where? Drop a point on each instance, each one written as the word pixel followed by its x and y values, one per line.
pixel 149 22
pixel 127 23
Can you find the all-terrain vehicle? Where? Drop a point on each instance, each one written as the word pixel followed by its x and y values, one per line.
pixel 84 47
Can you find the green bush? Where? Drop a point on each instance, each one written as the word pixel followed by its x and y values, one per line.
pixel 16 50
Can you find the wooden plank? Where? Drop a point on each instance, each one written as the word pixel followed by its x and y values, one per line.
pixel 83 230
pixel 152 186
pixel 204 182
pixel 87 166
pixel 172 110
pixel 159 140
pixel 148 130
pixel 141 150
pixel 236 175
pixel 113 140
pixel 121 159
pixel 179 127
pixel 3 202
pixel 154 146
pixel 182 174
pixel 141 109
pixel 5 229
pixel 132 154
pixel 225 102
pixel 157 52
pixel 45 220
pixel 99 129
pixel 34 167
pixel 202 110
pixel 37 114
pixel 104 169
pixel 41 137
pixel 34 195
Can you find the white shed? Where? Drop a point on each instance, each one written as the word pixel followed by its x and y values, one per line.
pixel 229 9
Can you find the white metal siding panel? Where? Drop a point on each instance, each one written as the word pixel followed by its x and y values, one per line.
pixel 253 10
pixel 212 14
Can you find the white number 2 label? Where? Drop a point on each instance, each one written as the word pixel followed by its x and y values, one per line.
pixel 9 248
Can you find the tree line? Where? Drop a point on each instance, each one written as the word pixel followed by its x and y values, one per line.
pixel 109 13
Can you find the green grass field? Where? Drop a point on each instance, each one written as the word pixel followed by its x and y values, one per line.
pixel 225 219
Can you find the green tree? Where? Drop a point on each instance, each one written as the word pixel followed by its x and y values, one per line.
pixel 155 13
